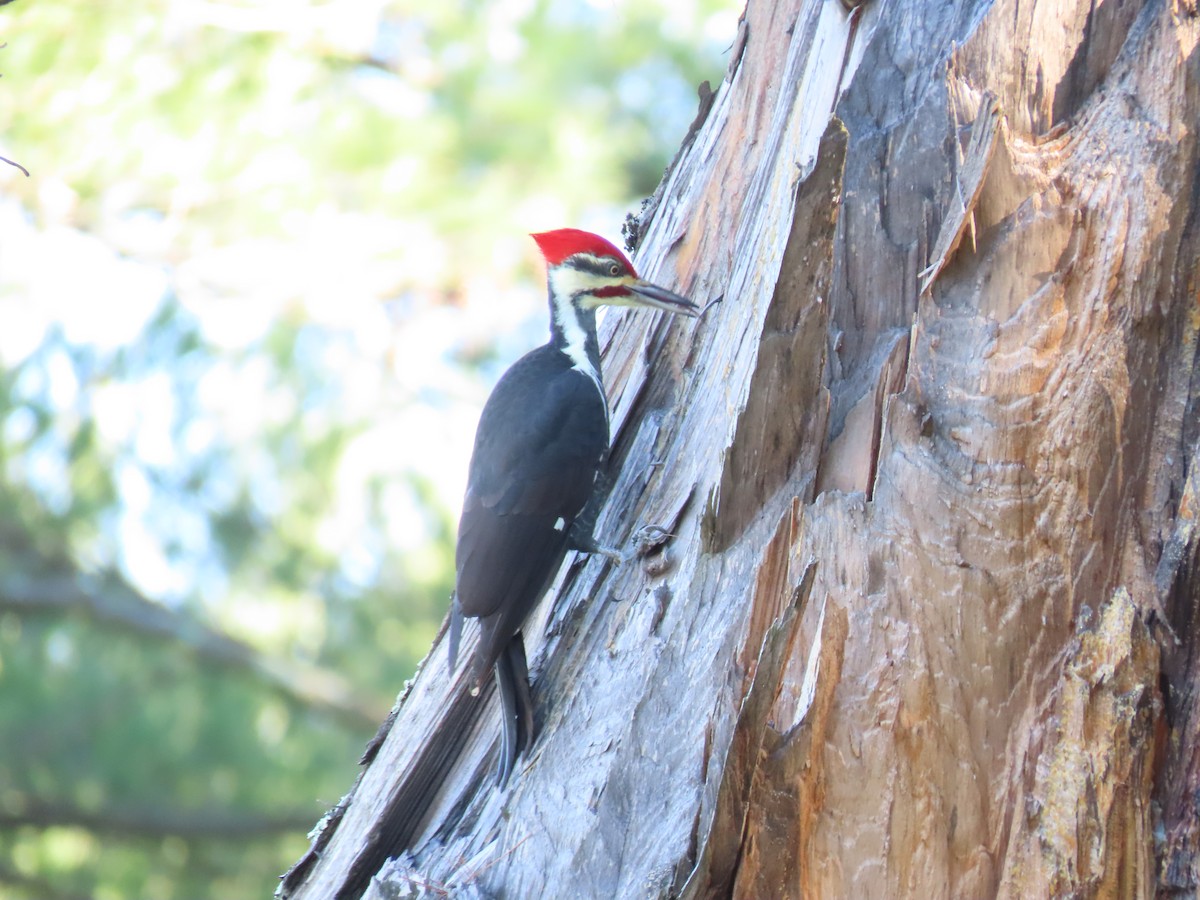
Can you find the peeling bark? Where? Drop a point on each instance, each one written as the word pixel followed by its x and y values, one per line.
pixel 955 369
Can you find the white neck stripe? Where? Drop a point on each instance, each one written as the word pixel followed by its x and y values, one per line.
pixel 566 317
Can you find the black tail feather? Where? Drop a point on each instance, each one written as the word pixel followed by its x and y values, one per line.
pixel 516 707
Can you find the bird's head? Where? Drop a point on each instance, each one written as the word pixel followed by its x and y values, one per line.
pixel 587 271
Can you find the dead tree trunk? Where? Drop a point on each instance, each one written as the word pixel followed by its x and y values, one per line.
pixel 926 625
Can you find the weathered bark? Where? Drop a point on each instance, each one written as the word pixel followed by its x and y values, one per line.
pixel 956 369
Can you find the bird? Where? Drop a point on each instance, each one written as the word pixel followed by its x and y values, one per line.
pixel 542 439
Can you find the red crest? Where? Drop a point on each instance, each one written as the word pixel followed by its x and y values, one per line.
pixel 558 245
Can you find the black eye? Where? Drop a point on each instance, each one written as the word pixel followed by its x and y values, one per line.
pixel 614 269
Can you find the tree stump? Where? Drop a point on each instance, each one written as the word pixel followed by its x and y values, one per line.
pixel 925 623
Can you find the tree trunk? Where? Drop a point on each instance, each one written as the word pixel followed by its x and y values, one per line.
pixel 926 624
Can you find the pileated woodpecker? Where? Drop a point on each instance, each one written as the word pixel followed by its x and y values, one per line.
pixel 538 451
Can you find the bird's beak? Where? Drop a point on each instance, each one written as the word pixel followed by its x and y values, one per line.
pixel 660 298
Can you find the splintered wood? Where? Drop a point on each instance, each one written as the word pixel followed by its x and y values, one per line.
pixel 959 216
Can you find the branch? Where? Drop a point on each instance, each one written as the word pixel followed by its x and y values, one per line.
pixel 111 602
pixel 155 822
pixel 5 158
pixel 32 886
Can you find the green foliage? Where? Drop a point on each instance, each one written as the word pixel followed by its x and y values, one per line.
pixel 238 212
pixel 458 114
pixel 144 753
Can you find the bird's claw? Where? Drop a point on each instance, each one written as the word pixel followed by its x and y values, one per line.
pixel 649 538
pixel 646 540
pixel 710 304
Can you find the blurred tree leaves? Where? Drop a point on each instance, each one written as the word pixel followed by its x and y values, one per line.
pixel 459 119
pixel 260 243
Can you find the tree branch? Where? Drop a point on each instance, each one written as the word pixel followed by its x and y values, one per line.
pixel 110 601
pixel 211 824
pixel 35 887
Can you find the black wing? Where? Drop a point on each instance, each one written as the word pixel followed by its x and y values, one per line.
pixel 540 443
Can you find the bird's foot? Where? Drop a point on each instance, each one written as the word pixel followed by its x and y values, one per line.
pixel 588 544
pixel 611 553
pixel 647 540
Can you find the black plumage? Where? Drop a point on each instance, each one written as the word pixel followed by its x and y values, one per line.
pixel 541 442
pixel 532 470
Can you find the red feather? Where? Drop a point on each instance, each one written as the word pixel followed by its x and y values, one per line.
pixel 558 245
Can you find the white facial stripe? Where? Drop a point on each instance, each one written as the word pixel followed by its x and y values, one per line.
pixel 563 285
